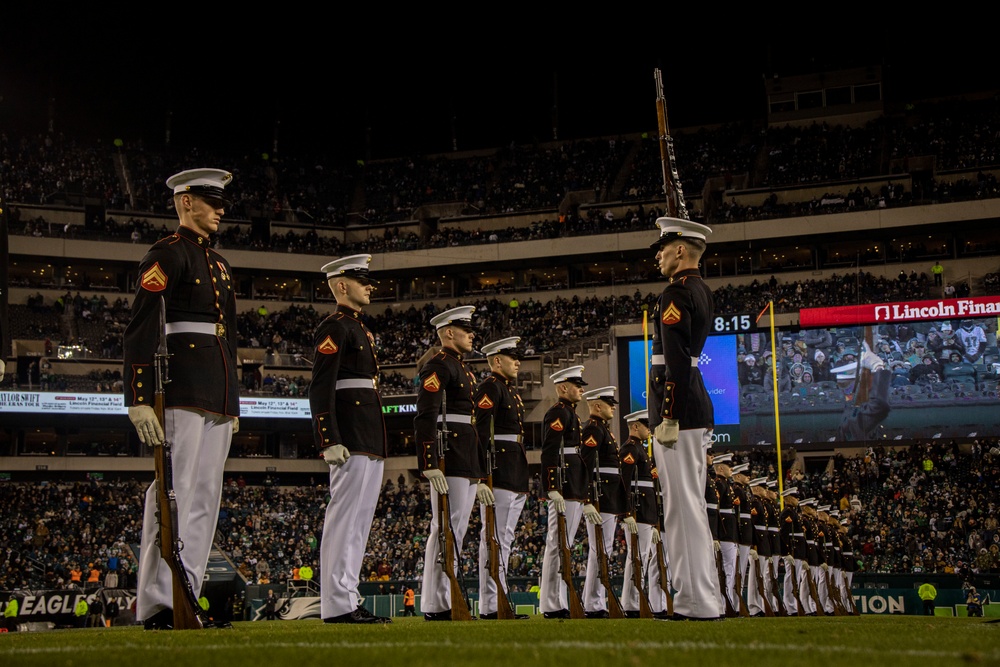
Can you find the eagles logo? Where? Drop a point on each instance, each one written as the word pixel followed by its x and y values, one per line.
pixel 557 425
pixel 154 279
pixel 671 315
pixel 327 346
pixel 485 403
pixel 432 383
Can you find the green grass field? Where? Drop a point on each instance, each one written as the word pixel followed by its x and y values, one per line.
pixel 868 640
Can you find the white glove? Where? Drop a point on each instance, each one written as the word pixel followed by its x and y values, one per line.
pixel 146 425
pixel 789 562
pixel 236 425
pixel 753 550
pixel 591 514
pixel 630 525
pixel 824 566
pixel 558 502
pixel 3 367
pixel 485 494
pixel 667 432
pixel 336 455
pixel 716 546
pixel 437 480
pixel 657 538
pixel 870 360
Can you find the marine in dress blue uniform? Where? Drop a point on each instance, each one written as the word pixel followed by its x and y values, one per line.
pixel 681 415
pixel 565 484
pixel 202 398
pixel 600 456
pixel 349 433
pixel 444 401
pixel 637 475
pixel 499 414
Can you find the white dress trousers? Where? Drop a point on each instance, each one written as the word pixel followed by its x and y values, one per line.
pixel 435 590
pixel 354 493
pixel 688 537
pixel 199 446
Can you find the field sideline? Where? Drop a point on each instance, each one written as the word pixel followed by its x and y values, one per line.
pixel 867 640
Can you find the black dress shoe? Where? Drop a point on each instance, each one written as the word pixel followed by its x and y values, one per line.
pixel 218 625
pixel 161 620
pixel 681 617
pixel 494 616
pixel 562 613
pixel 759 614
pixel 356 617
pixel 631 614
pixel 597 614
pixel 361 611
pixel 661 615
pixel 438 615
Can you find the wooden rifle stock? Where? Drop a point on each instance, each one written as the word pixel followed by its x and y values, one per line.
pixel 743 611
pixel 446 536
pixel 730 611
pixel 761 590
pixel 614 604
pixel 834 594
pixel 505 610
pixel 645 611
pixel 661 564
pixel 813 593
pixel 604 574
pixel 187 611
pixel 799 610
pixel 459 607
pixel 774 587
pixel 566 570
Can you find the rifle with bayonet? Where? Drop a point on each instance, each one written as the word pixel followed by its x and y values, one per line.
pixel 505 611
pixel 448 549
pixel 187 611
pixel 614 604
pixel 634 497
pixel 672 190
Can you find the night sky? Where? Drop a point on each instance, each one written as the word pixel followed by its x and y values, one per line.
pixel 228 87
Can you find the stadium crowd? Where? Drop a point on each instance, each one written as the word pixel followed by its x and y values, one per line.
pixel 931 507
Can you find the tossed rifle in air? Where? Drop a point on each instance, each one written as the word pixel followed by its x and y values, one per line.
pixel 446 535
pixel 505 611
pixel 645 611
pixel 614 604
pixel 188 614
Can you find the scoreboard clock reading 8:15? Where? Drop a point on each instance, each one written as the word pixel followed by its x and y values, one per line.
pixel 742 323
